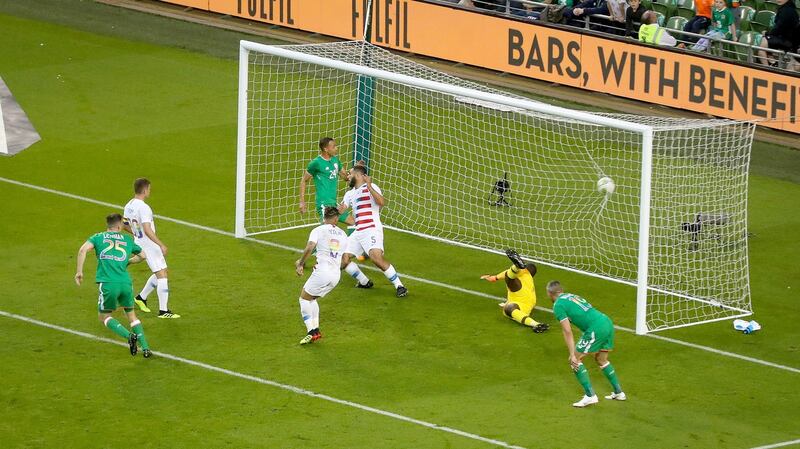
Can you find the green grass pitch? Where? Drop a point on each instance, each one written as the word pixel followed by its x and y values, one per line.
pixel 125 101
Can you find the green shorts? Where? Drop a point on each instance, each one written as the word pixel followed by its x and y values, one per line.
pixel 599 337
pixel 114 295
pixel 321 209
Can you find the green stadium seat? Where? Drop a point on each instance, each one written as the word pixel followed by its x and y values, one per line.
pixel 686 8
pixel 661 18
pixel 747 38
pixel 676 23
pixel 769 6
pixel 762 21
pixel 744 15
pixel 664 7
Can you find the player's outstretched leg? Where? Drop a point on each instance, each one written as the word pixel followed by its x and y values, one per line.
pixel 141 298
pixel 352 269
pixel 589 397
pixel 162 290
pixel 513 311
pixel 138 330
pixel 376 256
pixel 114 326
pixel 309 310
pixel 611 375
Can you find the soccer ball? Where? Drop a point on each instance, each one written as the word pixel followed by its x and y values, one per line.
pixel 606 185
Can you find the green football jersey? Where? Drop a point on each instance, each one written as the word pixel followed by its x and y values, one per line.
pixel 721 21
pixel 113 249
pixel 578 310
pixel 326 179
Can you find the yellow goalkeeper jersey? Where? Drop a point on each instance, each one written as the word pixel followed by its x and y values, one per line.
pixel 525 296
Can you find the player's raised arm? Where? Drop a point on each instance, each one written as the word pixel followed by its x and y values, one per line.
pixel 85 248
pixel 303 180
pixel 300 264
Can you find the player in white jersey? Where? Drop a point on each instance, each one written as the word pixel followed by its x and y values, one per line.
pixel 139 221
pixel 329 241
pixel 366 201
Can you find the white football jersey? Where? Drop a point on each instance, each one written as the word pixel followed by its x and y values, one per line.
pixel 331 242
pixel 136 213
pixel 366 211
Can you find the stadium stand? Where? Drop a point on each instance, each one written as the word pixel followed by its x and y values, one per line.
pixel 687 20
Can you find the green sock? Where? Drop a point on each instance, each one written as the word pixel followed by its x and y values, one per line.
pixel 350 230
pixel 137 328
pixel 117 328
pixel 583 378
pixel 611 375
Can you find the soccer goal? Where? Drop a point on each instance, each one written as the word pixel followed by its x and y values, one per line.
pixel 659 204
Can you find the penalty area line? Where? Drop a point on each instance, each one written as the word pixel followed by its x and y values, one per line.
pixel 407 276
pixel 260 380
pixel 781 444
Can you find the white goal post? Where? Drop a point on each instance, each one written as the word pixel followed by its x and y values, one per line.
pixel 478 167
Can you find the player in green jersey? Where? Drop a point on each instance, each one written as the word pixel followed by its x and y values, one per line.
pixel 113 250
pixel 597 339
pixel 325 170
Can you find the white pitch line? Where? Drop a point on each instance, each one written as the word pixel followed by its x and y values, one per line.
pixel 408 276
pixel 271 383
pixel 785 443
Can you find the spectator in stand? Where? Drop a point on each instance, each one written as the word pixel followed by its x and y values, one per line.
pixel 784 35
pixel 466 3
pixel 651 33
pixel 616 9
pixel 700 21
pixel 633 14
pixel 722 26
pixel 584 9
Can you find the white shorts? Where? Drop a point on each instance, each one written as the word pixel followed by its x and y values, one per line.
pixel 321 282
pixel 361 242
pixel 155 258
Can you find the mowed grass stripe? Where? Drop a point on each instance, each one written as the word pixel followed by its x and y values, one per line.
pixel 407 276
pixel 271 383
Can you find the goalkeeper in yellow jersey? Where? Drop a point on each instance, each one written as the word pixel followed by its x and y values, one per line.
pixel 521 296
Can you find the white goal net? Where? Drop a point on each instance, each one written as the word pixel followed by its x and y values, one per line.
pixel 476 166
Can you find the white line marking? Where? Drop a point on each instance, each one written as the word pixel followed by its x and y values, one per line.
pixel 271 383
pixel 785 443
pixel 408 276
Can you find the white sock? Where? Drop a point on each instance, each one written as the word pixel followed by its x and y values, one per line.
pixel 391 275
pixel 352 270
pixel 149 286
pixel 163 294
pixel 315 314
pixel 307 312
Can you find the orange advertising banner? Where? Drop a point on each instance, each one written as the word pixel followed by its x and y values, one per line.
pixel 617 67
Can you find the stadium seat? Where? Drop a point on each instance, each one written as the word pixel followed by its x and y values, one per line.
pixel 676 23
pixel 763 20
pixel 660 18
pixel 664 7
pixel 745 15
pixel 747 38
pixel 648 4
pixel 686 8
pixel 769 6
